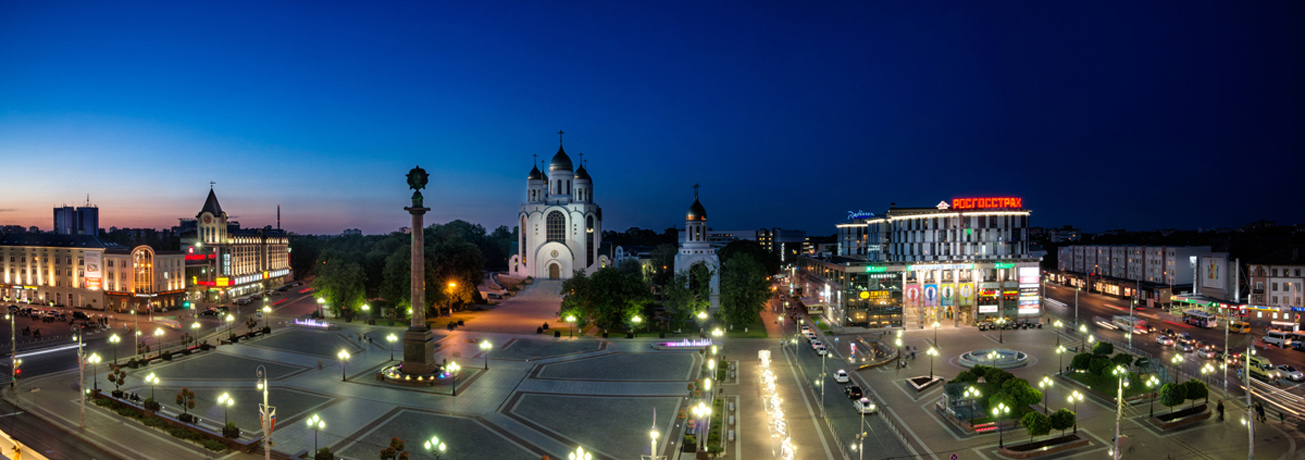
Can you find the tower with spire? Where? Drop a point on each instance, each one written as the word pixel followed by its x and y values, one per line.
pixel 694 248
pixel 560 225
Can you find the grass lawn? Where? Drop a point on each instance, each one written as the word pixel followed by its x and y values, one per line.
pixel 756 330
pixel 1109 385
pixel 988 389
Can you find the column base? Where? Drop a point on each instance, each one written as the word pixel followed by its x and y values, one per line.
pixel 419 352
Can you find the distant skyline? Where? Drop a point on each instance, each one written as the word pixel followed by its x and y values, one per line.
pixel 1138 116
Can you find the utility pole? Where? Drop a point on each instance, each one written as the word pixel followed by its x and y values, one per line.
pixel 1228 319
pixel 1250 410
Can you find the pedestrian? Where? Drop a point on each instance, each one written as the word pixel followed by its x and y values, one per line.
pixel 319 364
pixel 1220 409
pixel 1259 411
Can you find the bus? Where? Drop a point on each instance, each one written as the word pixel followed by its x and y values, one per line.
pixel 1283 326
pixel 1298 341
pixel 1130 324
pixel 1199 318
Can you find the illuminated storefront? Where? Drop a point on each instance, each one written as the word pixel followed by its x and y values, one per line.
pixel 226 262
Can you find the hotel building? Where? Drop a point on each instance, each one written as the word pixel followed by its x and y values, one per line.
pixel 965 261
pixel 84 272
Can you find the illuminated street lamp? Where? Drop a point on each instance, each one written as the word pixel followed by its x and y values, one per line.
pixel 316 424
pixel 226 401
pixel 391 338
pixel 320 302
pixel 1000 321
pixel 453 374
pixel 452 285
pixel 935 326
pixel 571 319
pixel 1060 357
pixel 344 357
pixel 717 332
pixel 153 380
pixel 159 334
pixel 1044 385
pixel 1151 382
pixel 267 315
pixel 485 345
pixel 580 454
pixel 932 353
pixel 998 412
pixel 231 325
pixel 436 447
pixel 94 359
pixel 636 320
pixel 114 339
pixel 1075 398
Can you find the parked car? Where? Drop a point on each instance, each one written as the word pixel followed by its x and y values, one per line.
pixel 841 376
pixel 1289 372
pixel 853 392
pixel 1164 340
pixel 864 406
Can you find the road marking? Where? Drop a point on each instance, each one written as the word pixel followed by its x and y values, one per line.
pixel 913 435
pixel 12 414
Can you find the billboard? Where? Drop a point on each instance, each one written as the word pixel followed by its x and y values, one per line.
pixel 1028 275
pixel 93 261
pixel 967 294
pixel 931 294
pixel 912 294
pixel 1214 272
pixel 948 294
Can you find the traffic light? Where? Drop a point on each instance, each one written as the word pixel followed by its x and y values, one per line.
pixel 18 373
pixel 186 304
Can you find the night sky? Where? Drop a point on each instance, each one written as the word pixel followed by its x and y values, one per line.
pixel 1099 114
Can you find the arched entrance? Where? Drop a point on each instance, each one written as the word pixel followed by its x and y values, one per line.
pixel 554 271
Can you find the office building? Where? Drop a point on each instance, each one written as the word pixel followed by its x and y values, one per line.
pixel 84 271
pixel 83 220
pixel 225 261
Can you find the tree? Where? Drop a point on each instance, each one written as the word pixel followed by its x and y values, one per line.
pixel 396 278
pixel 1122 359
pixel 769 260
pixel 117 378
pixel 1103 349
pixel 682 301
pixel 997 376
pixel 1021 392
pixel 663 260
pixel 186 399
pixel 607 299
pixel 965 377
pixel 394 451
pixel 1173 394
pixel 340 282
pixel 1062 420
pixel 1081 361
pixel 743 290
pixel 1099 366
pixel 1196 389
pixel 1036 423
pixel 453 261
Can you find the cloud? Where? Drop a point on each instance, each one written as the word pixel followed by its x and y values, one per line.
pixel 7 209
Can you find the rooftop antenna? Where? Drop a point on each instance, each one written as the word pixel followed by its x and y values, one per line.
pixel 278 217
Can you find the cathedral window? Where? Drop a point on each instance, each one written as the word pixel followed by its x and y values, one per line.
pixel 556 226
pixel 589 238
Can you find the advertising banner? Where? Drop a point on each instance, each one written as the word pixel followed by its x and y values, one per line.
pixel 1029 275
pixel 1213 272
pixel 931 294
pixel 912 294
pixel 966 294
pixel 948 294
pixel 987 308
pixel 92 268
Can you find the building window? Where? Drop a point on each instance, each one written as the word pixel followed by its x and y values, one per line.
pixel 589 238
pixel 556 226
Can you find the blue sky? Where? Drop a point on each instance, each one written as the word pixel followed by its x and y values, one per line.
pixel 1100 114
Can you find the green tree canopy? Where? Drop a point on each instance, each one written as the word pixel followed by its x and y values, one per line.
pixel 1122 359
pixel 663 260
pixel 1081 361
pixel 607 299
pixel 1036 423
pixel 1062 420
pixel 1100 365
pixel 1196 389
pixel 1103 349
pixel 743 290
pixel 1173 394
pixel 682 301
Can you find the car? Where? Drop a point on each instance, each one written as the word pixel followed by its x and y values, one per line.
pixel 853 392
pixel 1185 337
pixel 494 296
pixel 1289 372
pixel 806 328
pixel 1208 352
pixel 77 315
pixel 821 350
pixel 816 343
pixel 1164 340
pixel 864 406
pixel 1185 347
pixel 841 376
pixel 210 312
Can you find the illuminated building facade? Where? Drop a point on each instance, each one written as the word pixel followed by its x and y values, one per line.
pixel 224 261
pixel 561 228
pixel 963 261
pixel 694 249
pixel 84 272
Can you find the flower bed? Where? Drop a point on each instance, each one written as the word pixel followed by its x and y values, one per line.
pixel 1182 418
pixel 1044 447
pixel 210 440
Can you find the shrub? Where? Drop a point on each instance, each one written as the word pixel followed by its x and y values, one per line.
pixel 1081 361
pixel 1103 349
pixel 268 329
pixel 167 356
pixel 557 334
pixel 155 422
pixel 1122 359
pixel 1173 394
pixel 1195 390
pixel 980 371
pixel 214 445
pixel 1036 423
pixel 1062 420
pixel 998 376
pixel 1100 366
pixel 323 454
pixel 539 330
pixel 965 377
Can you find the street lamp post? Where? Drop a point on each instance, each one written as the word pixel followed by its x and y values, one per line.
pixel 570 319
pixel 580 454
pixel 935 332
pixel 1121 373
pixel 316 424
pixel 453 369
pixel 267 316
pixel 226 401
pixel 153 380
pixel 231 326
pixel 485 345
pixel 1074 399
pixel 391 338
pixel 114 339
pixel 436 447
pixel 899 349
pixel 344 357
pixel 94 359
pixel 452 285
pixel 13 350
pixel 1077 289
pixel 1151 382
pixel 1044 385
pixel 266 413
pixel 1060 357
pixel 1000 323
pixel 158 334
pixel 998 412
pixel 932 353
pixel 634 330
pixel 652 444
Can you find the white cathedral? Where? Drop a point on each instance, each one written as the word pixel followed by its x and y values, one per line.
pixel 694 248
pixel 561 227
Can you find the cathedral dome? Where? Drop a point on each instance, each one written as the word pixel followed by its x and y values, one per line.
pixel 535 174
pixel 581 173
pixel 561 162
pixel 696 211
